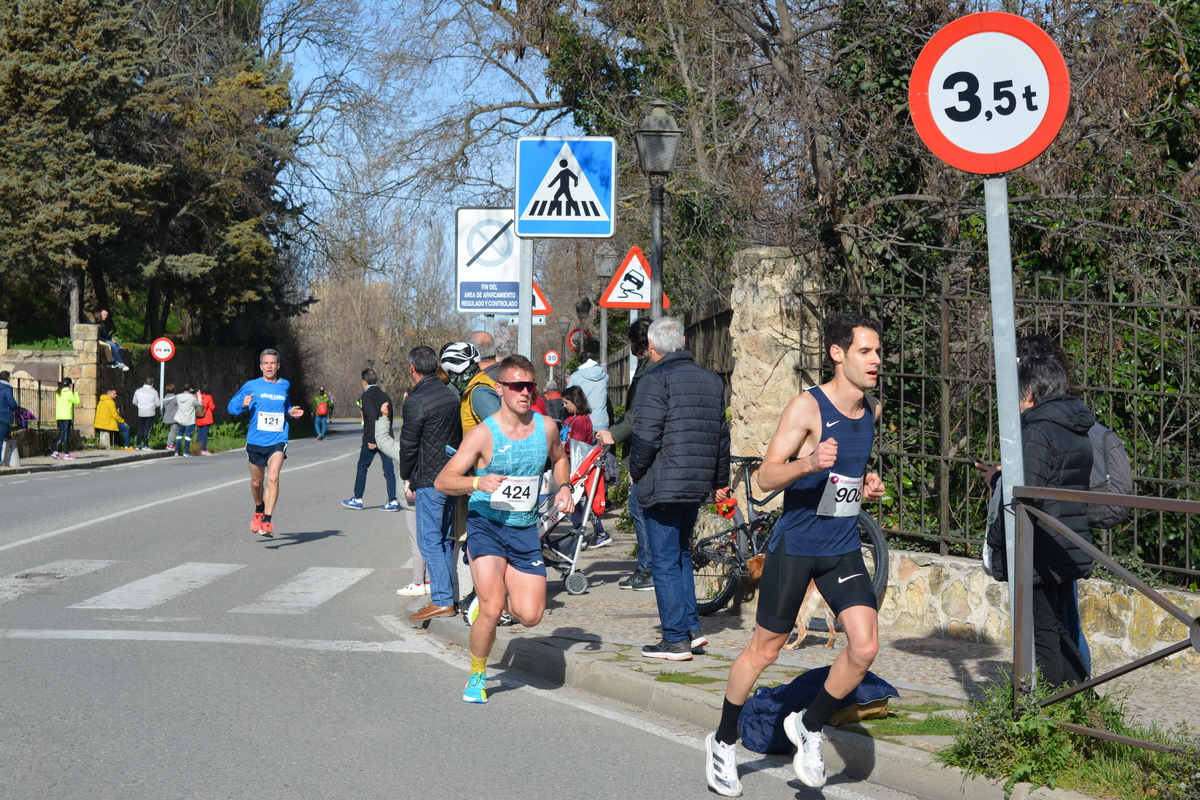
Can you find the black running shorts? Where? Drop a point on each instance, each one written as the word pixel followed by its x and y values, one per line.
pixel 260 456
pixel 842 580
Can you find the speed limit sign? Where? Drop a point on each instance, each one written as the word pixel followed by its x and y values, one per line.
pixel 163 349
pixel 989 92
pixel 551 358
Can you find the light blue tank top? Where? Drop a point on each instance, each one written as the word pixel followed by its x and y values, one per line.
pixel 519 457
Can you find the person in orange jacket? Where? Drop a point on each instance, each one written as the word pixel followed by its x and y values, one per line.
pixel 204 420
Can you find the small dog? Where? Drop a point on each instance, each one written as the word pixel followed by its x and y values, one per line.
pixel 814 605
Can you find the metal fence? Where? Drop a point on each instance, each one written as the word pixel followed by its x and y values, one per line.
pixel 1134 353
pixel 38 397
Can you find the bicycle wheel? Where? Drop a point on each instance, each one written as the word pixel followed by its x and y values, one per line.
pixel 874 552
pixel 715 570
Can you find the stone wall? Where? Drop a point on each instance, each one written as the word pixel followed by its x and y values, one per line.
pixel 931 595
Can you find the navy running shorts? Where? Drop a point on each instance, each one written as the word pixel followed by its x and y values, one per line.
pixel 842 580
pixel 520 547
pixel 259 455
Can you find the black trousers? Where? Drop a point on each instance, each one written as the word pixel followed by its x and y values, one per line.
pixel 145 425
pixel 1055 650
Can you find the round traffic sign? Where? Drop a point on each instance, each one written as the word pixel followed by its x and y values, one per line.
pixel 989 92
pixel 163 349
pixel 551 358
pixel 575 339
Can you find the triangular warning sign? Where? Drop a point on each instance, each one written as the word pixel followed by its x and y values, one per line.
pixel 630 285
pixel 564 192
pixel 540 306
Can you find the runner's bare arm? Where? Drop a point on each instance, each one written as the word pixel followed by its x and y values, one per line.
pixel 473 452
pixel 873 488
pixel 565 501
pixel 799 425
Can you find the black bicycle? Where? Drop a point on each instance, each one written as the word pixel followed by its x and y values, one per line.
pixel 719 560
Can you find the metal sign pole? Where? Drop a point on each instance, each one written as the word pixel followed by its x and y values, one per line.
pixel 1004 341
pixel 162 377
pixel 525 300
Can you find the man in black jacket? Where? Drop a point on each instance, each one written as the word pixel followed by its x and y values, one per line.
pixel 372 398
pixel 679 460
pixel 431 423
pixel 1057 454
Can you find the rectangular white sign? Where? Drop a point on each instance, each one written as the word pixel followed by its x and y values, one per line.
pixel 487 261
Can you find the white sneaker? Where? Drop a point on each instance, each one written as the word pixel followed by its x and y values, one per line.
pixel 808 763
pixel 413 590
pixel 720 767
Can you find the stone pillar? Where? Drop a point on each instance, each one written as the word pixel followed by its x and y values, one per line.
pixel 3 338
pixel 85 341
pixel 776 333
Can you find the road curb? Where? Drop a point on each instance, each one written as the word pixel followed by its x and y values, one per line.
pixel 69 465
pixel 904 769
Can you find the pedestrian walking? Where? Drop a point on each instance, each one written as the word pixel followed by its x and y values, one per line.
pixel 65 401
pixel 371 401
pixel 8 409
pixel 322 406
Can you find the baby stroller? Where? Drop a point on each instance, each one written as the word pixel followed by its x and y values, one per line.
pixel 587 488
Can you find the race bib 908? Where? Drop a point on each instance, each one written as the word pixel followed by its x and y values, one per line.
pixel 842 496
pixel 516 494
pixel 270 422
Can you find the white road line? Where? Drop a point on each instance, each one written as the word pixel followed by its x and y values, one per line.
pixel 305 592
pixel 158 589
pixel 28 581
pixel 215 638
pixel 144 506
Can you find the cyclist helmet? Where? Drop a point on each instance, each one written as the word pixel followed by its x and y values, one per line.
pixel 456 357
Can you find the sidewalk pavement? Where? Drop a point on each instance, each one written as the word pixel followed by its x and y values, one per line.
pixel 593 641
pixel 84 459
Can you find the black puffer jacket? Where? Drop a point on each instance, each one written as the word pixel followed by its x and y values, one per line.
pixel 680 449
pixel 372 398
pixel 1057 454
pixel 431 421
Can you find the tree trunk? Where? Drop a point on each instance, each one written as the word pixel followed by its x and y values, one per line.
pixel 163 313
pixel 99 286
pixel 70 291
pixel 150 330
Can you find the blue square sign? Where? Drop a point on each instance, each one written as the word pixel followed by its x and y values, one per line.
pixel 566 187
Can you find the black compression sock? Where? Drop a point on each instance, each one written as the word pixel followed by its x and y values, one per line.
pixel 819 710
pixel 258 509
pixel 266 517
pixel 727 731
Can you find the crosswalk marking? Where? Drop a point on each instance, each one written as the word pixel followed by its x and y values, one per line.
pixel 33 580
pixel 304 592
pixel 157 589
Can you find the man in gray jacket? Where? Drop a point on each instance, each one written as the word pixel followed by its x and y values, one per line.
pixel 679 460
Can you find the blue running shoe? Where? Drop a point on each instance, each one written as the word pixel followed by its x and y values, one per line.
pixel 390 505
pixel 353 502
pixel 476 691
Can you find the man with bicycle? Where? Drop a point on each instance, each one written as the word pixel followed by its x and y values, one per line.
pixel 819 453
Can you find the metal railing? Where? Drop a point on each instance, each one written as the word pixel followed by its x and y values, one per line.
pixel 1023 658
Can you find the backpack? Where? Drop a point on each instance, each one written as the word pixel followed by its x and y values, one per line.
pixel 1111 473
pixel 322 409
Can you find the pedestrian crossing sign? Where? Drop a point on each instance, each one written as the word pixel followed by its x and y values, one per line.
pixel 566 187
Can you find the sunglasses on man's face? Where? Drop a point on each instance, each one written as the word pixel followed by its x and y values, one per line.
pixel 519 386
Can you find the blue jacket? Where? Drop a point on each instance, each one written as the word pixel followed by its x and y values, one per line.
pixel 8 403
pixel 593 380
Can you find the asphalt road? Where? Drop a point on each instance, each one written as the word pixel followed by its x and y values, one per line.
pixel 152 647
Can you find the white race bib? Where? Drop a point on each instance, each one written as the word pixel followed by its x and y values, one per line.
pixel 270 422
pixel 842 496
pixel 517 494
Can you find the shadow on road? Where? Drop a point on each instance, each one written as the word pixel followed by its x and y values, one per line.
pixel 972 661
pixel 288 539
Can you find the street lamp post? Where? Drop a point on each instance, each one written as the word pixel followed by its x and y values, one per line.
pixel 606 258
pixel 583 310
pixel 564 327
pixel 657 142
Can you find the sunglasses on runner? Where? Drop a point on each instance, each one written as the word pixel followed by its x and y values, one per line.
pixel 519 386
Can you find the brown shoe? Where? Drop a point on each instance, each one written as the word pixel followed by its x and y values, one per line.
pixel 429 611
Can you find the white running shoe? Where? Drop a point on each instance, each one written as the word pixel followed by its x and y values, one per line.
pixel 413 590
pixel 808 763
pixel 720 767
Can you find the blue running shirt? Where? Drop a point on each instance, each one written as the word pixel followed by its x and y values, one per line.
pixel 268 411
pixel 520 458
pixel 820 511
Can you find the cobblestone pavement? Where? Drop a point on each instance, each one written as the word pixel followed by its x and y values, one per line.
pixel 608 618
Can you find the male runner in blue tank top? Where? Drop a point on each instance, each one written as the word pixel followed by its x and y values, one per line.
pixel 269 403
pixel 508 452
pixel 819 453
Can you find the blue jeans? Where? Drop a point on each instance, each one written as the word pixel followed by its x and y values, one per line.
pixel 669 531
pixel 4 426
pixel 365 456
pixel 639 529
pixel 64 436
pixel 321 423
pixel 202 436
pixel 124 431
pixel 185 432
pixel 1075 628
pixel 116 351
pixel 435 528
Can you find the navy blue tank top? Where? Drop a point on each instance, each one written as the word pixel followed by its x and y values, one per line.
pixel 820 511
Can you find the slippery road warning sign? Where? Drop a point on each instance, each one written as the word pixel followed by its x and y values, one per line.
pixel 630 285
pixel 566 187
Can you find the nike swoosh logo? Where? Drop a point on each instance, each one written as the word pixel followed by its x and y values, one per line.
pixel 848 577
pixel 831 424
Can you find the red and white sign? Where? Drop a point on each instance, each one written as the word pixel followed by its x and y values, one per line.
pixel 540 306
pixel 575 339
pixel 989 92
pixel 551 358
pixel 630 285
pixel 162 349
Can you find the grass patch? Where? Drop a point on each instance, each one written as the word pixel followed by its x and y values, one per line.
pixel 1029 745
pixel 684 677
pixel 899 723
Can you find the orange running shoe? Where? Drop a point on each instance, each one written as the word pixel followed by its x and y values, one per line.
pixel 256 522
pixel 267 530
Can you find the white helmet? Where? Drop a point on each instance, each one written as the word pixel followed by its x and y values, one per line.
pixel 457 357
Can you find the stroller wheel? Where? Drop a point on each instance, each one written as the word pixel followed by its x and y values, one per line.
pixel 577 583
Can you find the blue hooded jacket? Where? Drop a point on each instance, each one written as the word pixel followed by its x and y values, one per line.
pixel 593 380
